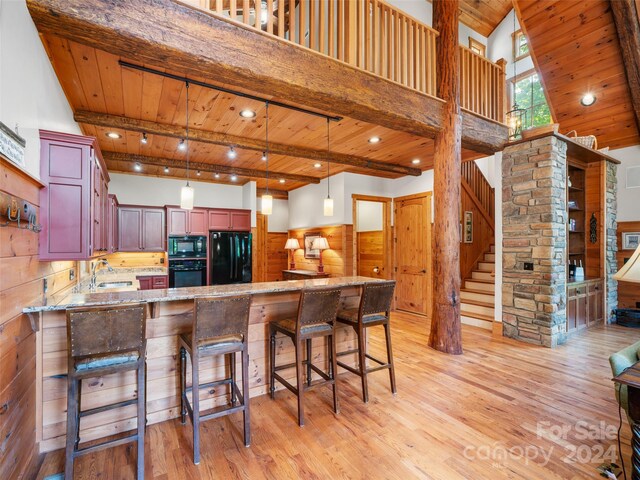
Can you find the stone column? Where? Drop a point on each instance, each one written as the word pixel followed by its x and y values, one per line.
pixel 534 212
pixel 611 264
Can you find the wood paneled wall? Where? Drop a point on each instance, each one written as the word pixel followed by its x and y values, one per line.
pixel 277 257
pixel 138 259
pixel 370 253
pixel 338 260
pixel 628 293
pixel 594 203
pixel 483 234
pixel 21 283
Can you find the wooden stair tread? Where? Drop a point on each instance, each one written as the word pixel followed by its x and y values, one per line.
pixel 480 280
pixel 479 316
pixel 473 290
pixel 478 303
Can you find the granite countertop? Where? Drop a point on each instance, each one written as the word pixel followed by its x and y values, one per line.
pixel 69 300
pixel 119 274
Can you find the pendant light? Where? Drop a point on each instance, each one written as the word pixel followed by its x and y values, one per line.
pixel 328 202
pixel 267 200
pixel 186 194
pixel 516 117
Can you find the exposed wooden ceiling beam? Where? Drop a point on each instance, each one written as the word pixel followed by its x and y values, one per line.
pixel 186 39
pixel 626 16
pixel 206 136
pixel 281 194
pixel 204 167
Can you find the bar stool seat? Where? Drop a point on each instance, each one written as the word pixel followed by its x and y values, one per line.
pixel 220 327
pixel 288 327
pixel 351 316
pixel 102 341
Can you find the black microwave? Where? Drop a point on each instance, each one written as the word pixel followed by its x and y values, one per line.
pixel 188 246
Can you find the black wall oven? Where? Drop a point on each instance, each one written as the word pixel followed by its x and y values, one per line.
pixel 187 246
pixel 187 273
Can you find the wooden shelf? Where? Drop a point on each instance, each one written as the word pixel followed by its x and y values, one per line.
pixel 575 209
pixel 576 189
pixel 575 254
pixel 576 231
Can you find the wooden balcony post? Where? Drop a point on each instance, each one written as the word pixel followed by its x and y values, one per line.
pixel 446 335
pixel 351 33
pixel 502 92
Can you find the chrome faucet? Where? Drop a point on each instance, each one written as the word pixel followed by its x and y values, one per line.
pixel 94 267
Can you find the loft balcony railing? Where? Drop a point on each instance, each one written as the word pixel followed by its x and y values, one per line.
pixel 372 36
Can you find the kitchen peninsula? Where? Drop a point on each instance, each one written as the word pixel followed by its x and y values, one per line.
pixel 169 314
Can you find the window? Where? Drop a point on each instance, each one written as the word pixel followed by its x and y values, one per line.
pixel 528 94
pixel 476 47
pixel 520 45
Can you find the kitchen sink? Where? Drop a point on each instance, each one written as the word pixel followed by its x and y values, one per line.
pixel 114 284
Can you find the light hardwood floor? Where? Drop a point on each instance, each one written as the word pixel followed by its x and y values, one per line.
pixel 453 418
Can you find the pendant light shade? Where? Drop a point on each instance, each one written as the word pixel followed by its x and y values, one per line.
pixel 186 193
pixel 186 197
pixel 267 204
pixel 328 207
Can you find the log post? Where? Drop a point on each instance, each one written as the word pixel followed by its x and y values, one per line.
pixel 446 335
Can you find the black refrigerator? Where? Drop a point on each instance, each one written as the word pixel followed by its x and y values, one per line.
pixel 229 257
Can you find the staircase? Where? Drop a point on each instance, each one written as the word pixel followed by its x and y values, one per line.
pixel 477 293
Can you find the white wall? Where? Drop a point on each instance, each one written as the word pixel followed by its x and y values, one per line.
pixel 500 45
pixel 30 94
pixel 628 198
pixel 306 204
pixel 369 216
pixel 249 199
pixel 141 190
pixel 423 11
pixel 279 219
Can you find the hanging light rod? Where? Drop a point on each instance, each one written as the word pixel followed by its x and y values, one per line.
pixel 225 90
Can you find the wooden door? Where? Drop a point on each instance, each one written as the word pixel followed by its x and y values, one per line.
pixel 412 222
pixel 153 231
pixel 129 229
pixel 198 222
pixel 177 221
pixel 219 220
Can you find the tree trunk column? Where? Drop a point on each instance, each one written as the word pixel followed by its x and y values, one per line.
pixel 445 322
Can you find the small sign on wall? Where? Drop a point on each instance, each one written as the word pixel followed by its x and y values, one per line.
pixel 467 227
pixel 11 145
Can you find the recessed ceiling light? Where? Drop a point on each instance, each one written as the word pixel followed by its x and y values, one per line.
pixel 198 173
pixel 137 167
pixel 182 146
pixel 217 175
pixel 281 180
pixel 166 169
pixel 232 154
pixel 114 135
pixel 234 178
pixel 317 165
pixel 415 161
pixel 144 138
pixel 246 113
pixel 588 99
pixel 375 140
pixel 264 156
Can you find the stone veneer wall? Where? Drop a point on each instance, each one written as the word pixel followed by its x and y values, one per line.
pixel 534 213
pixel 611 265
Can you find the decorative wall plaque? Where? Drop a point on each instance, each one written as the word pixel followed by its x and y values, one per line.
pixel 11 145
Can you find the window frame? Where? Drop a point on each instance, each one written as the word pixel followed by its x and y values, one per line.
pixel 514 45
pixel 511 95
pixel 473 43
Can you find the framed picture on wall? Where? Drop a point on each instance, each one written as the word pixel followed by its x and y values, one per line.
pixel 467 229
pixel 630 240
pixel 308 241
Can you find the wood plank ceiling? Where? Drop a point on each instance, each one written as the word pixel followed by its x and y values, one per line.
pixel 483 16
pixel 576 50
pixel 94 81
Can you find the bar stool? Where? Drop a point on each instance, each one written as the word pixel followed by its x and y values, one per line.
pixel 100 341
pixel 220 327
pixel 374 309
pixel 316 317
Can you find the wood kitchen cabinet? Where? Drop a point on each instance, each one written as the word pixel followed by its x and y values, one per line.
pixel 141 229
pixel 112 224
pixel 585 304
pixel 150 282
pixel 74 201
pixel 187 222
pixel 234 220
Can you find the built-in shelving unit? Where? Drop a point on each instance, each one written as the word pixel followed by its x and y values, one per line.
pixel 576 226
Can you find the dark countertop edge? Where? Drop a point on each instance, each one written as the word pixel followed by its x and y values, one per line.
pixel 70 300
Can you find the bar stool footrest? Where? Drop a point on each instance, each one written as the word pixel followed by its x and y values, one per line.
pixel 105 408
pixel 108 444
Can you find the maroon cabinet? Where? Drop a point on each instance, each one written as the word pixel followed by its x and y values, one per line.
pixel 186 222
pixel 150 282
pixel 74 201
pixel 112 224
pixel 141 229
pixel 236 220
